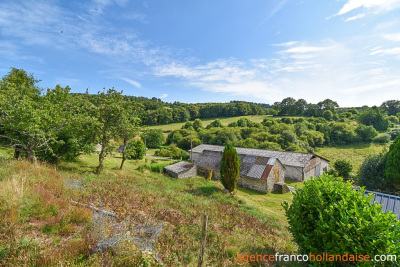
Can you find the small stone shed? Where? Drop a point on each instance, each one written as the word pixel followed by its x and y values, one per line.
pixel 256 172
pixel 298 166
pixel 181 170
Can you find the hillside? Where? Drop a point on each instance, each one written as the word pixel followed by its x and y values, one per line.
pixel 43 227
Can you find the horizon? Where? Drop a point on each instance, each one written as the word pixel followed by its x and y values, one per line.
pixel 202 52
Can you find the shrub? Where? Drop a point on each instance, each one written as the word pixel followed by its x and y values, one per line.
pixel 372 171
pixel 392 167
pixel 197 124
pixel 154 138
pixel 230 167
pixel 328 115
pixel 366 133
pixel 343 167
pixel 135 150
pixel 172 151
pixel 394 119
pixel 327 215
pixel 382 139
pixel 394 133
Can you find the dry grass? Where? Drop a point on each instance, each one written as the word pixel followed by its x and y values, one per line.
pixel 41 227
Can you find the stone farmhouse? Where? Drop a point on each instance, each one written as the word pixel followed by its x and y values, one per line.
pixel 297 166
pixel 256 172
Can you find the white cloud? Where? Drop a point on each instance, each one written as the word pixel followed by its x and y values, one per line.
pixel 291 43
pixel 163 96
pixel 392 37
pixel 305 49
pixel 132 82
pixel 372 87
pixel 359 16
pixel 377 6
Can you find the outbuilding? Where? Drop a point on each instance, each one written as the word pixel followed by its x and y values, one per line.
pixel 298 166
pixel 181 170
pixel 256 172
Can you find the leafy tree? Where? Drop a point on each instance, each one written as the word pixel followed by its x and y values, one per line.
pixel 197 124
pixel 328 115
pixel 30 123
pixel 299 107
pixel 392 167
pixel 225 136
pixel 343 167
pixel 391 107
pixel 342 133
pixel 135 149
pixel 374 117
pixel 287 106
pixel 128 127
pixel 154 138
pixel 215 123
pixel 230 168
pixel 327 104
pixel 372 173
pixel 110 115
pixel 328 215
pixel 174 137
pixel 393 119
pixel 172 151
pixel 366 133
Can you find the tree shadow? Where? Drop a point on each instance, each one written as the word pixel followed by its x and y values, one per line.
pixel 204 191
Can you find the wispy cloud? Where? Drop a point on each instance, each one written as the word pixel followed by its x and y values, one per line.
pixel 274 10
pixel 132 82
pixel 371 6
pixel 392 37
pixel 163 96
pixel 359 16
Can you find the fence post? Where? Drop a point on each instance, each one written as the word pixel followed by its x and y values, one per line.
pixel 203 241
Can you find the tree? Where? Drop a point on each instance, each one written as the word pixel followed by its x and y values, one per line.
pixel 135 149
pixel 215 123
pixel 366 133
pixel 197 124
pixel 343 167
pixel 110 115
pixel 374 117
pixel 372 173
pixel 328 115
pixel 230 168
pixel 391 107
pixel 30 123
pixel 154 138
pixel 327 104
pixel 287 106
pixel 128 127
pixel 392 166
pixel 328 215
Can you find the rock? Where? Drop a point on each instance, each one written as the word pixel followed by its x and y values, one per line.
pixel 281 188
pixel 225 191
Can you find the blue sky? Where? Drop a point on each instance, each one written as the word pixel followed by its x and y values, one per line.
pixel 209 51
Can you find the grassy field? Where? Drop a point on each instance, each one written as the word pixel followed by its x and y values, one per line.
pixel 42 227
pixel 355 153
pixel 224 121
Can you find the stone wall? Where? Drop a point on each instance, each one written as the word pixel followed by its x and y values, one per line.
pixel 192 172
pixel 293 173
pixel 254 184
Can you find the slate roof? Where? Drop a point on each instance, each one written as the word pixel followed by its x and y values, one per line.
pixel 180 167
pixel 251 166
pixel 287 158
pixel 388 202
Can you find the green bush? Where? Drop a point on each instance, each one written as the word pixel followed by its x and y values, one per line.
pixel 372 173
pixel 382 139
pixel 392 168
pixel 327 215
pixel 343 167
pixel 154 167
pixel 135 150
pixel 154 138
pixel 328 115
pixel 172 151
pixel 230 167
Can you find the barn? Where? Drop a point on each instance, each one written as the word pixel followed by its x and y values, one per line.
pixel 298 166
pixel 181 170
pixel 256 172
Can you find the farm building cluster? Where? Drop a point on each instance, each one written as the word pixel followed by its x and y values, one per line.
pixel 261 170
